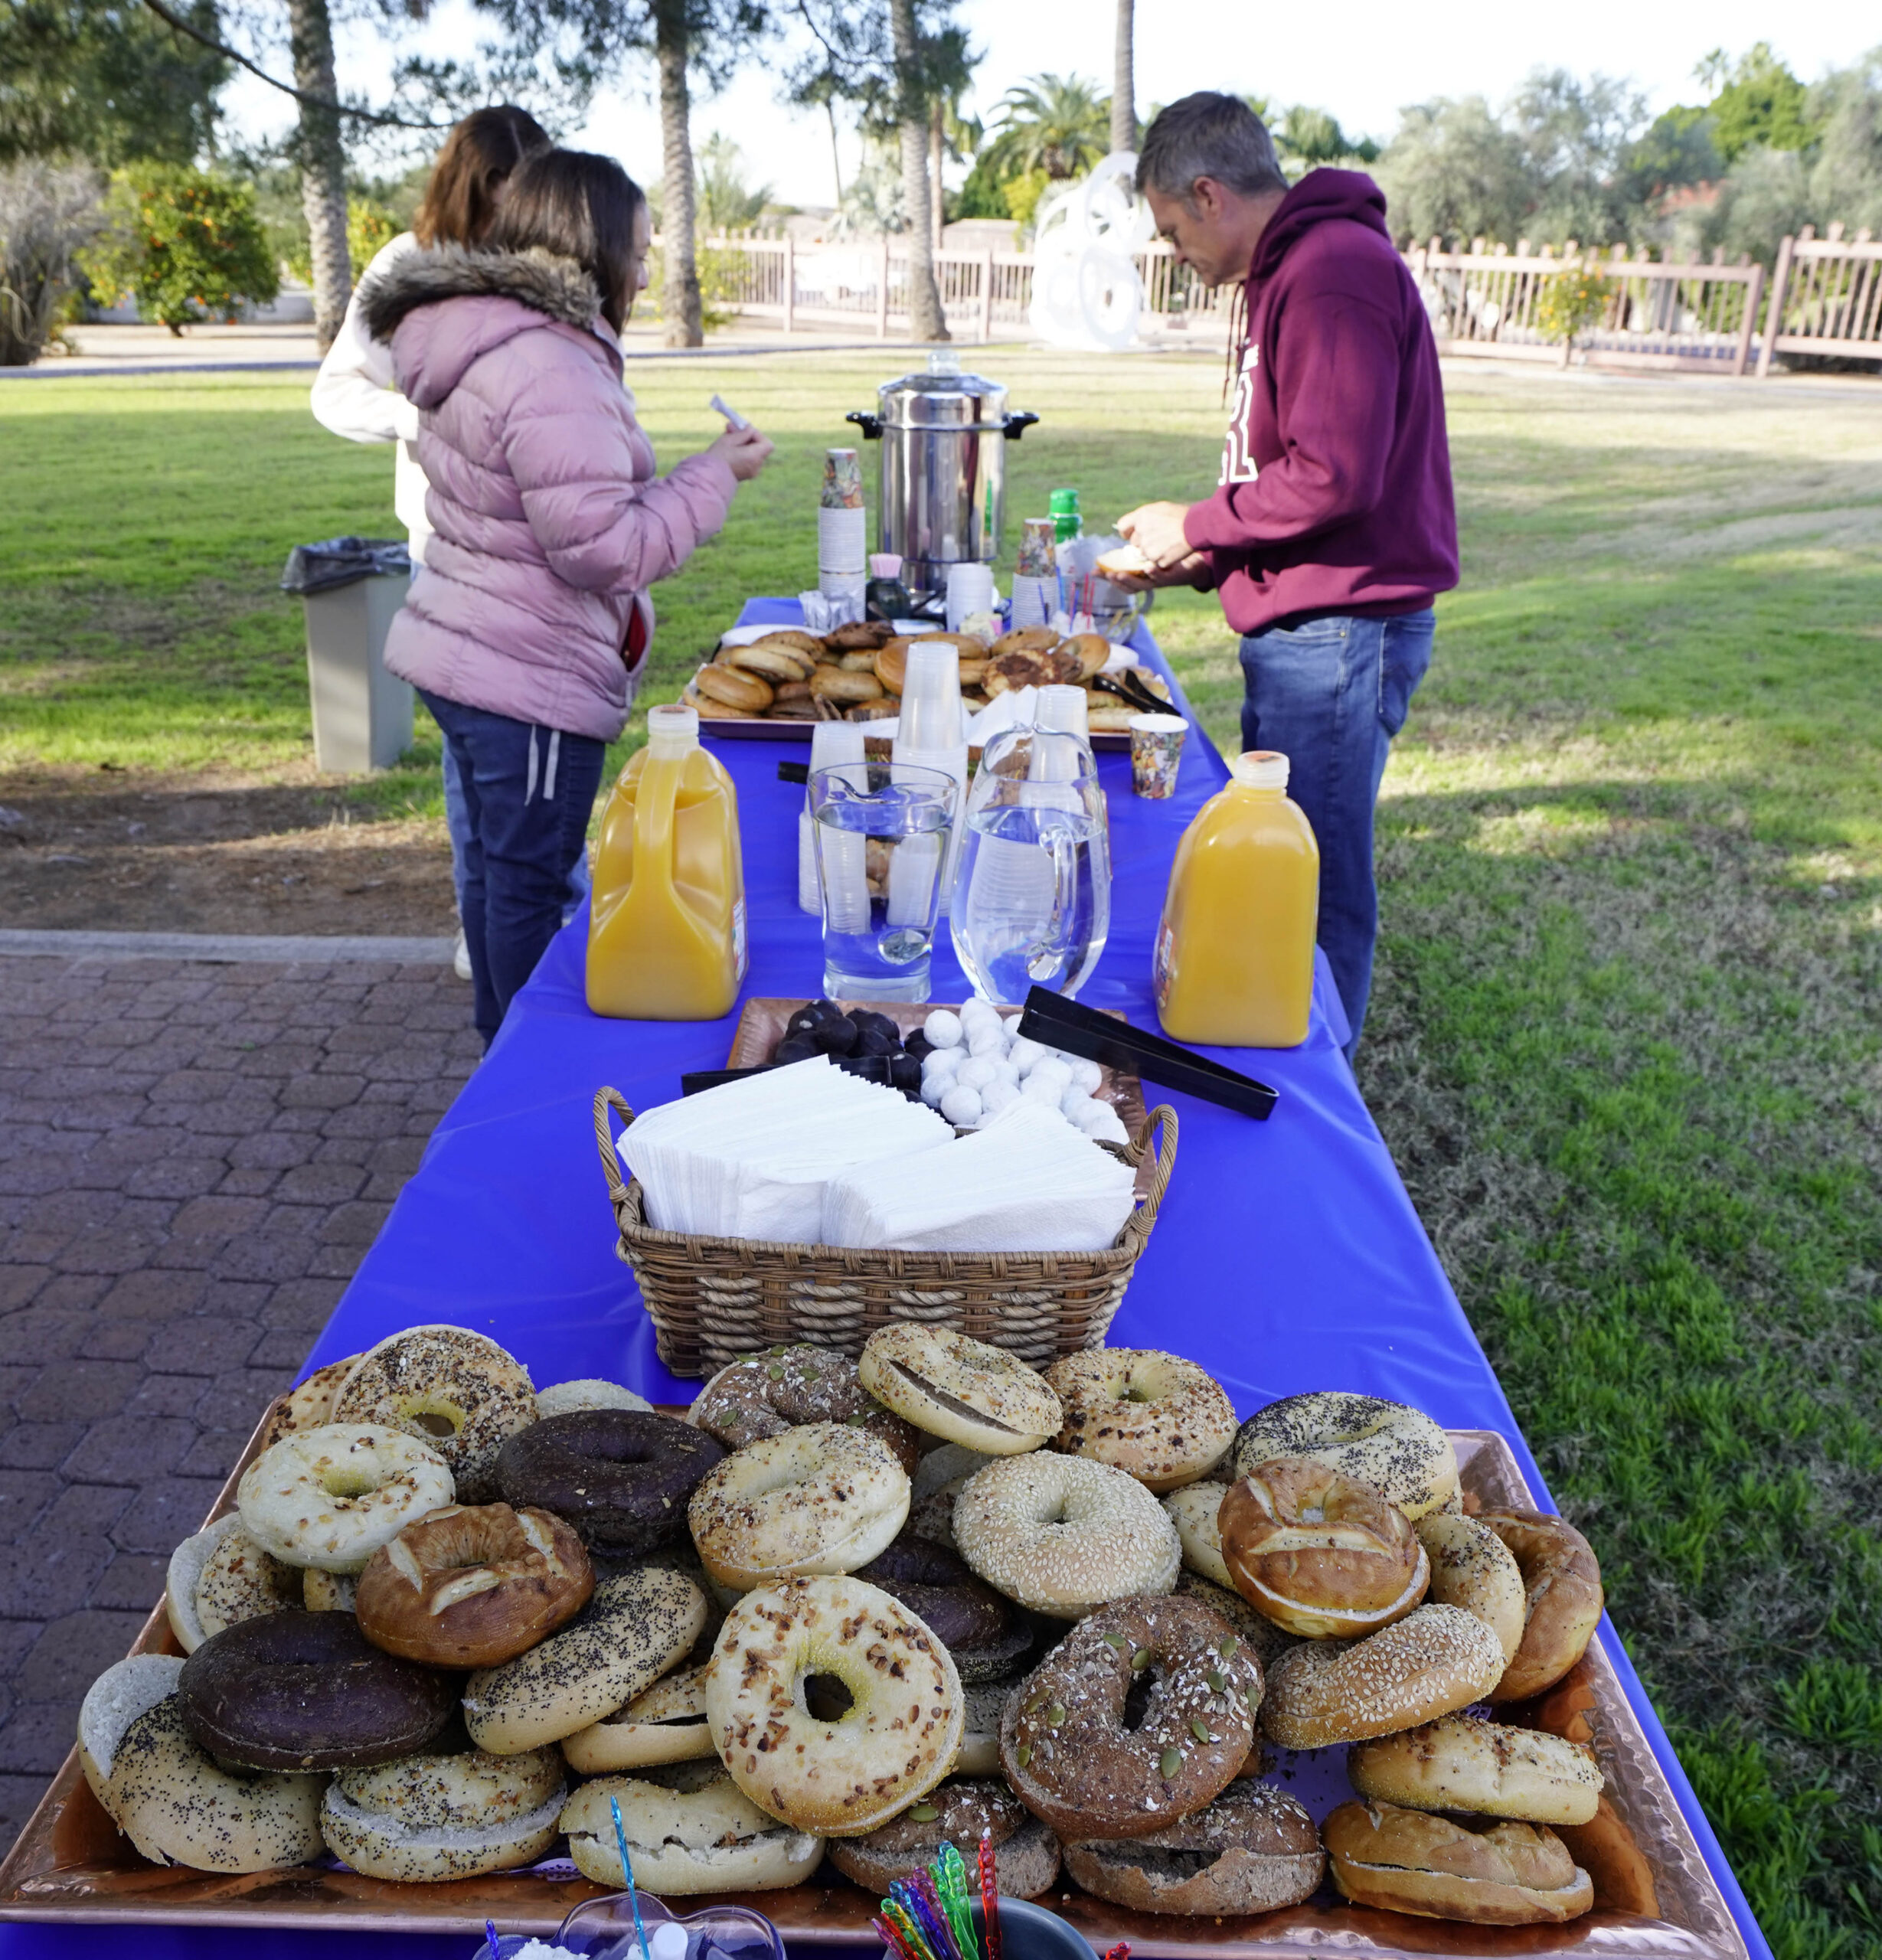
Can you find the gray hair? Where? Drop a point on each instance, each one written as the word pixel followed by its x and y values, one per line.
pixel 1207 135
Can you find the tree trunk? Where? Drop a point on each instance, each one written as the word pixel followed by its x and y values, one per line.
pixel 937 189
pixel 323 166
pixel 927 320
pixel 1124 83
pixel 680 306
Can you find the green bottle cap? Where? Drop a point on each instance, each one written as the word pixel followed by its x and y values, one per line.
pixel 1064 502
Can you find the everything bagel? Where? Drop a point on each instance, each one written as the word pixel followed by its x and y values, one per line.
pixel 961 1390
pixel 763 1395
pixel 1485 1767
pixel 1158 1417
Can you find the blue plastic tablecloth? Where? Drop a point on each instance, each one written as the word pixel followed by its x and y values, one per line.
pixel 1287 1255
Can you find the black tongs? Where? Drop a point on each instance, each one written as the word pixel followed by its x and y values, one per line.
pixel 1058 1023
pixel 1128 684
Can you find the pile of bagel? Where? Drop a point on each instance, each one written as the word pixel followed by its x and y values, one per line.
pixel 853 1608
pixel 856 674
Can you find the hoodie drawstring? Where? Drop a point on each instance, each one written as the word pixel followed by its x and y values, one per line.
pixel 529 786
pixel 548 778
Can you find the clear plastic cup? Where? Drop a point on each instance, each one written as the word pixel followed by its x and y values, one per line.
pixel 882 835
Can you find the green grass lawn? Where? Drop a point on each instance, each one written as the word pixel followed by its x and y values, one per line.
pixel 1626 1038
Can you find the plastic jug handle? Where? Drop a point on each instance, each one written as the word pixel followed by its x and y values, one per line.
pixel 653 815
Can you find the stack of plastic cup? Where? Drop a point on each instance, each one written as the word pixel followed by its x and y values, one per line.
pixel 831 742
pixel 931 731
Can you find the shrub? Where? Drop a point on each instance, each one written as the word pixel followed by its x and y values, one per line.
pixel 186 244
pixel 48 213
pixel 369 226
pixel 1570 304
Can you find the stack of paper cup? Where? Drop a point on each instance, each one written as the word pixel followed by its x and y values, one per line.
pixel 1036 583
pixel 970 589
pixel 842 545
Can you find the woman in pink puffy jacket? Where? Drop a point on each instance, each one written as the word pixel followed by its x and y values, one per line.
pixel 527 627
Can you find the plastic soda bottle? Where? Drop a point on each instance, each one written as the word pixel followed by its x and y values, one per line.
pixel 666 927
pixel 1233 965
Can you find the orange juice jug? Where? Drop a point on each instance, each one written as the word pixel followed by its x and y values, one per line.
pixel 1234 952
pixel 666 925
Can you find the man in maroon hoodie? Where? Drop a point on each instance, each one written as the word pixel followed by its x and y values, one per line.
pixel 1332 528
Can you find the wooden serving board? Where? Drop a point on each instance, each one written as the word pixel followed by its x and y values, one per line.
pixel 70 1865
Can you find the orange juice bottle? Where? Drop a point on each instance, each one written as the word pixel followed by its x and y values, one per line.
pixel 1234 953
pixel 666 926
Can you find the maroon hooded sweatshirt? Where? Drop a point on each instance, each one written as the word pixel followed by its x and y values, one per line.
pixel 1335 493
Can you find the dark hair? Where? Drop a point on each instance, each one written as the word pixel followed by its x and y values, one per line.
pixel 1207 135
pixel 480 152
pixel 578 206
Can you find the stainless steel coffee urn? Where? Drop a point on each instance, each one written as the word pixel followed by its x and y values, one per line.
pixel 943 489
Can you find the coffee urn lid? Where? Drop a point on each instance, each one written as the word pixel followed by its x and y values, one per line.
pixel 941 396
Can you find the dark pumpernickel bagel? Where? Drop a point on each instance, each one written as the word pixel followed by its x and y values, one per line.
pixel 301 1691
pixel 620 1477
pixel 983 1632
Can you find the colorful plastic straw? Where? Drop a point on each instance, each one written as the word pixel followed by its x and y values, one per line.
pixel 627 1867
pixel 989 1895
pixel 923 1904
pixel 893 1937
pixel 910 1933
pixel 950 1881
pixel 490 1934
pixel 1120 1951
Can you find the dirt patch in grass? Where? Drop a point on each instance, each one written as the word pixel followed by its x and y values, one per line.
pixel 123 852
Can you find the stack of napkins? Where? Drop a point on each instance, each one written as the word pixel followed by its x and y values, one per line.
pixel 1025 1182
pixel 749 1159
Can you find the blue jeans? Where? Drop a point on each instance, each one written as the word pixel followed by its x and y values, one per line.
pixel 1330 695
pixel 527 793
pixel 457 825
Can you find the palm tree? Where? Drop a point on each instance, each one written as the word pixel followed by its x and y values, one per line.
pixel 1059 124
pixel 1124 81
pixel 727 201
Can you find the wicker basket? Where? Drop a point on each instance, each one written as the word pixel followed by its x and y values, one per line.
pixel 712 1300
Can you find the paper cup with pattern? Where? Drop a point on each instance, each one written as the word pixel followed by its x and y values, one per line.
pixel 1156 752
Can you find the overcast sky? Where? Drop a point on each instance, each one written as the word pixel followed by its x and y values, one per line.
pixel 1363 62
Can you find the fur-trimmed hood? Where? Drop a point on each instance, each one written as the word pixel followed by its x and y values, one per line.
pixel 443 308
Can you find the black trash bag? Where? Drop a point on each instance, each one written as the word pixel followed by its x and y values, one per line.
pixel 338 561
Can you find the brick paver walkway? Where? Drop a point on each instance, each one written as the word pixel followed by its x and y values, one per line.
pixel 193 1159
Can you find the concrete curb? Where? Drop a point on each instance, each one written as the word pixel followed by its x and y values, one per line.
pixel 227 949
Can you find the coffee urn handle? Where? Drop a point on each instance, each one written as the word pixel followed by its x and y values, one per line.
pixel 871 424
pixel 1018 425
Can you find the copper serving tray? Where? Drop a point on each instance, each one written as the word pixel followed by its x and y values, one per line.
pixel 761 1028
pixel 69 1864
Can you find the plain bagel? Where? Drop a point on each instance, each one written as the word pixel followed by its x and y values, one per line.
pixel 666 1724
pixel 1486 1767
pixel 685 1841
pixel 1397 1449
pixel 961 1390
pixel 746 692
pixel 221 1575
pixel 1408 1861
pixel 1562 1581
pixel 1158 1417
pixel 331 1498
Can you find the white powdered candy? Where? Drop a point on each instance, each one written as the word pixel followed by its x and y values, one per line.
pixel 942 1029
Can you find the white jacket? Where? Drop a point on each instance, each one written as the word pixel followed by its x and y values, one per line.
pixel 355 397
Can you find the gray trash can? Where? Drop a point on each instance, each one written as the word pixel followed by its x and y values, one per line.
pixel 351 587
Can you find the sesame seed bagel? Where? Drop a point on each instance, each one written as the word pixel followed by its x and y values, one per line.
pixel 821 1499
pixel 1072 1750
pixel 1486 1767
pixel 1471 1567
pixel 1268 1640
pixel 331 1498
pixel 221 1575
pixel 711 1839
pixel 1321 1553
pixel 961 1390
pixel 667 1724
pixel 124 1691
pixel 631 1631
pixel 1157 1416
pixel 179 1806
pixel 569 1398
pixel 1062 1535
pixel 1196 1512
pixel 1432 1662
pixel 960 1812
pixel 1252 1849
pixel 1562 1581
pixel 840 1776
pixel 455 1389
pixel 1397 1449
pixel 445 1815
pixel 1408 1861
pixel 763 1395
pixel 308 1405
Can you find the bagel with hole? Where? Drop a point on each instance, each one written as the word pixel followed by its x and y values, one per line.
pixel 1321 1554
pixel 449 1387
pixel 1159 1417
pixel 960 1812
pixel 308 1405
pixel 1486 1767
pixel 449 1812
pixel 1408 1861
pixel 331 1498
pixel 1471 1567
pixel 221 1575
pixel 961 1390
pixel 666 1724
pixel 1397 1449
pixel 1563 1598
pixel 844 1770
pixel 634 1627
pixel 1251 1850
pixel 620 1477
pixel 709 1837
pixel 821 1499
pixel 750 694
pixel 472 1585
pixel 1092 650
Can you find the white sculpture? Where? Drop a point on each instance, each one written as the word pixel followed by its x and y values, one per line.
pixel 1085 290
